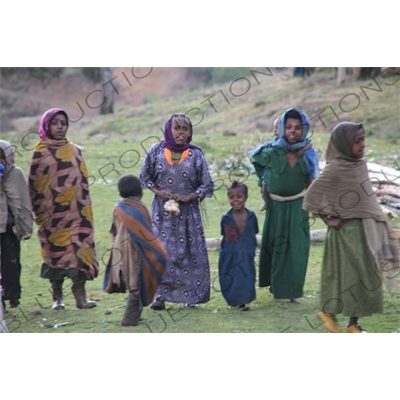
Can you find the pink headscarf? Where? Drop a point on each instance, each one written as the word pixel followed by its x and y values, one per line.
pixel 44 131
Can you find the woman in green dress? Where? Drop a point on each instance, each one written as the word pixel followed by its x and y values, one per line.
pixel 286 172
pixel 361 248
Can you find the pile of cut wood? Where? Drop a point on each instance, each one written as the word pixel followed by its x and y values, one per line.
pixel 387 183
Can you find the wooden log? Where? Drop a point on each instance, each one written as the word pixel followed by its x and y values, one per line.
pixel 389 212
pixel 379 174
pixel 383 174
pixel 316 236
pixel 213 243
pixel 388 190
pixel 390 201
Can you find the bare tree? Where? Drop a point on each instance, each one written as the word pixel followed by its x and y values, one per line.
pixel 109 89
pixel 104 77
pixel 341 75
pixel 357 73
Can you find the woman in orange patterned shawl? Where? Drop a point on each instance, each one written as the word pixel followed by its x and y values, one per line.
pixel 62 209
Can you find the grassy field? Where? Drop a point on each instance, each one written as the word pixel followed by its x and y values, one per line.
pixel 114 145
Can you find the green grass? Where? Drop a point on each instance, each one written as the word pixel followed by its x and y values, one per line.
pixel 266 314
pixel 115 145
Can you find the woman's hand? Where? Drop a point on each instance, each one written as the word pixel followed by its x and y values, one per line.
pixel 333 222
pixel 183 198
pixel 10 220
pixel 164 194
pixel 265 206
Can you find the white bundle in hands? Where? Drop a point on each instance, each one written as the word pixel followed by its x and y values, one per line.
pixel 172 205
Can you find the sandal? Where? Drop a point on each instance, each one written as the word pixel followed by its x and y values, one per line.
pixel 158 305
pixel 355 329
pixel 187 305
pixel 126 322
pixel 14 303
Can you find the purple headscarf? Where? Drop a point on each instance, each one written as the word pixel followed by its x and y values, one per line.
pixel 169 141
pixel 44 131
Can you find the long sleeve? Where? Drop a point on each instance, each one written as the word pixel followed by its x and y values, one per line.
pixel 206 184
pixel 17 192
pixel 147 172
pixel 260 161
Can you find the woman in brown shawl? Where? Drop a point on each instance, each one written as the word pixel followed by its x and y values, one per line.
pixel 15 223
pixel 361 245
pixel 62 209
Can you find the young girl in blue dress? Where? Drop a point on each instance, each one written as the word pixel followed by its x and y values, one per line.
pixel 237 272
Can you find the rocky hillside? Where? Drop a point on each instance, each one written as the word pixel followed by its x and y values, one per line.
pixel 247 103
pixel 24 97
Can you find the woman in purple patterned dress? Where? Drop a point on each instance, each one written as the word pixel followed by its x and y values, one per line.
pixel 176 169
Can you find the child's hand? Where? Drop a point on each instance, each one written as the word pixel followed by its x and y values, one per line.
pixel 301 151
pixel 333 222
pixel 298 153
pixel 10 219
